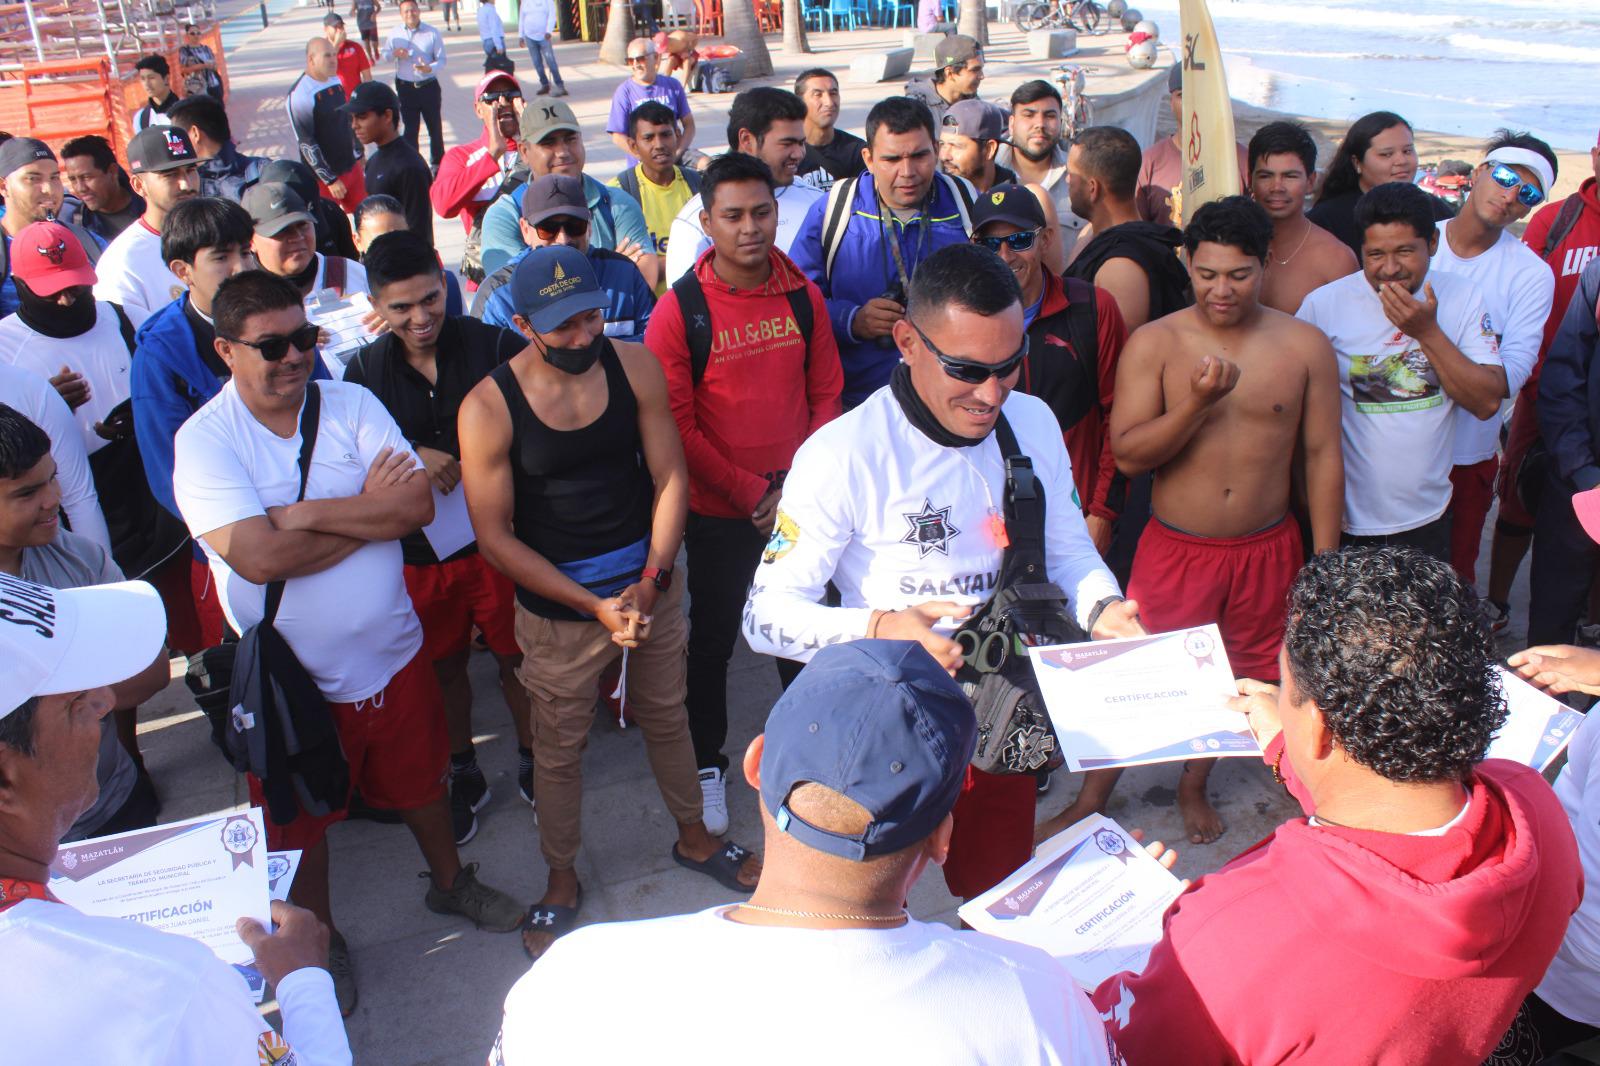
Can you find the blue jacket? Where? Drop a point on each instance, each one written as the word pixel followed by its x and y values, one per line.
pixel 168 383
pixel 865 268
pixel 1569 388
pixel 626 316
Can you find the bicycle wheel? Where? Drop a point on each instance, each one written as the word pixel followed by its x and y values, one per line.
pixel 1032 16
pixel 1086 16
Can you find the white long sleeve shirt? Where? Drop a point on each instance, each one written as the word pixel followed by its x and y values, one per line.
pixel 111 990
pixel 538 20
pixel 1517 288
pixel 39 402
pixel 894 519
pixel 490 26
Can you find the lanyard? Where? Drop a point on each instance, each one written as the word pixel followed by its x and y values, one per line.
pixel 886 227
pixel 13 892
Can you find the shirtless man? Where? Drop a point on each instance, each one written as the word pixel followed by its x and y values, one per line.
pixel 1303 256
pixel 1217 399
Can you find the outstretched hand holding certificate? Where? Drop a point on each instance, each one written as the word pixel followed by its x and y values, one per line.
pixel 1092 897
pixel 1161 698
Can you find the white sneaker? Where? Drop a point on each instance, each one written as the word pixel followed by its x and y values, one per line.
pixel 714 797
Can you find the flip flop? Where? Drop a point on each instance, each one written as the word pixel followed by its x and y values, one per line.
pixel 550 918
pixel 722 866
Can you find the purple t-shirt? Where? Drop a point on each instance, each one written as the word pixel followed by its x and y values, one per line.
pixel 630 94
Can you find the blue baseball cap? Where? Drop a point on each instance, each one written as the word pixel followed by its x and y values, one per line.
pixel 881 723
pixel 552 284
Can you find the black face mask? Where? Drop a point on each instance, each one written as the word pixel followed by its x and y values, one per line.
pixel 575 360
pixel 917 413
pixel 43 314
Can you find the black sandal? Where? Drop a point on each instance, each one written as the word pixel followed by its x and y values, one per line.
pixel 722 866
pixel 553 918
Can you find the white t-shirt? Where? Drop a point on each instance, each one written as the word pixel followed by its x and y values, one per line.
pixel 686 240
pixel 920 994
pixel 100 355
pixel 1517 288
pixel 107 990
pixel 351 625
pixel 133 274
pixel 893 519
pixel 35 398
pixel 1398 423
pixel 1572 984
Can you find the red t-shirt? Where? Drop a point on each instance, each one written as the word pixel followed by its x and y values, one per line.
pixel 352 60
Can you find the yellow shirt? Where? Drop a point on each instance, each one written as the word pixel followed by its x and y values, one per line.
pixel 661 204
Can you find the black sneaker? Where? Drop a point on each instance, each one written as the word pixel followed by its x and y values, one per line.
pixel 469 792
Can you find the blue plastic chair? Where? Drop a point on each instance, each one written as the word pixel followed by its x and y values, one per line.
pixel 814 13
pixel 894 9
pixel 841 9
pixel 951 10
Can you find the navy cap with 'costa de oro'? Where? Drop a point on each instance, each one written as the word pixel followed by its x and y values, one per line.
pixel 882 724
pixel 552 284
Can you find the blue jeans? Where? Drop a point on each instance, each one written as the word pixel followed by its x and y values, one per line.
pixel 492 47
pixel 539 51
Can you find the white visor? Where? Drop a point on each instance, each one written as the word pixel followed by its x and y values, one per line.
pixel 1523 157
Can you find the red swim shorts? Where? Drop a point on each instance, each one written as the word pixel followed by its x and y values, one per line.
pixel 450 598
pixel 1241 583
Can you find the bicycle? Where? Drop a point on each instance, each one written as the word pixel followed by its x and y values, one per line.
pixel 1081 15
pixel 1077 111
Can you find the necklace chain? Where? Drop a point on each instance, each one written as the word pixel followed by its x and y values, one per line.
pixel 902 916
pixel 1302 244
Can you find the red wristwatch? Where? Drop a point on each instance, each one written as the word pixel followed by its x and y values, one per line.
pixel 661 579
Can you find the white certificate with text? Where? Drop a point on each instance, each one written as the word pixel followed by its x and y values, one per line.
pixel 1538 726
pixel 1092 897
pixel 1160 698
pixel 195 878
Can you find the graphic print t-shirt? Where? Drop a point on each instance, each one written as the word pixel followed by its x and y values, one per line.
pixel 1398 423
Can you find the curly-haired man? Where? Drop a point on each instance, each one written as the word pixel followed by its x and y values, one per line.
pixel 1405 918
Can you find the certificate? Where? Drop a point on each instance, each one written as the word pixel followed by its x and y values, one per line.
pixel 195 878
pixel 1538 727
pixel 1092 897
pixel 281 868
pixel 451 529
pixel 345 319
pixel 1160 698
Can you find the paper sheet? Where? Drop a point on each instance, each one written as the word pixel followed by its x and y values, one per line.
pixel 345 318
pixel 451 529
pixel 1538 727
pixel 1160 698
pixel 1092 897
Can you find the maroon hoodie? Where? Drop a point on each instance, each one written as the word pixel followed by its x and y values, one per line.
pixel 1340 946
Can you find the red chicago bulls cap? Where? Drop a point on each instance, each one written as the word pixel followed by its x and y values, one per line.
pixel 48 258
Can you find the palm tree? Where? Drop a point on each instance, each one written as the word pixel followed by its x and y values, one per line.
pixel 739 28
pixel 973 20
pixel 795 41
pixel 619 31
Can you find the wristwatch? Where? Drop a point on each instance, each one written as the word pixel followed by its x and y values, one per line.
pixel 661 579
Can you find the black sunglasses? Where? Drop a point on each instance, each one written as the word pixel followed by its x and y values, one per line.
pixel 970 372
pixel 547 228
pixel 1017 242
pixel 272 349
pixel 501 95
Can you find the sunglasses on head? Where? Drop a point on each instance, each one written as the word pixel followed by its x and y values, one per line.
pixel 971 372
pixel 1529 195
pixel 1017 242
pixel 273 349
pixel 500 96
pixel 548 228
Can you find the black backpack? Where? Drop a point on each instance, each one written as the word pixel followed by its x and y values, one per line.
pixel 276 723
pixel 697 320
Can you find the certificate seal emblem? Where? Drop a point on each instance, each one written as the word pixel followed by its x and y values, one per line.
pixel 1112 843
pixel 239 838
pixel 1200 647
pixel 69 860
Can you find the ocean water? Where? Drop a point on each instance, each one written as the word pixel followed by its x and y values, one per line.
pixel 1446 65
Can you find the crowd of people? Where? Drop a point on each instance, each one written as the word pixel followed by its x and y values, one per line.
pixel 783 393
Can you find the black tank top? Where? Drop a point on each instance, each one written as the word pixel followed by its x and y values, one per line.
pixel 583 498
